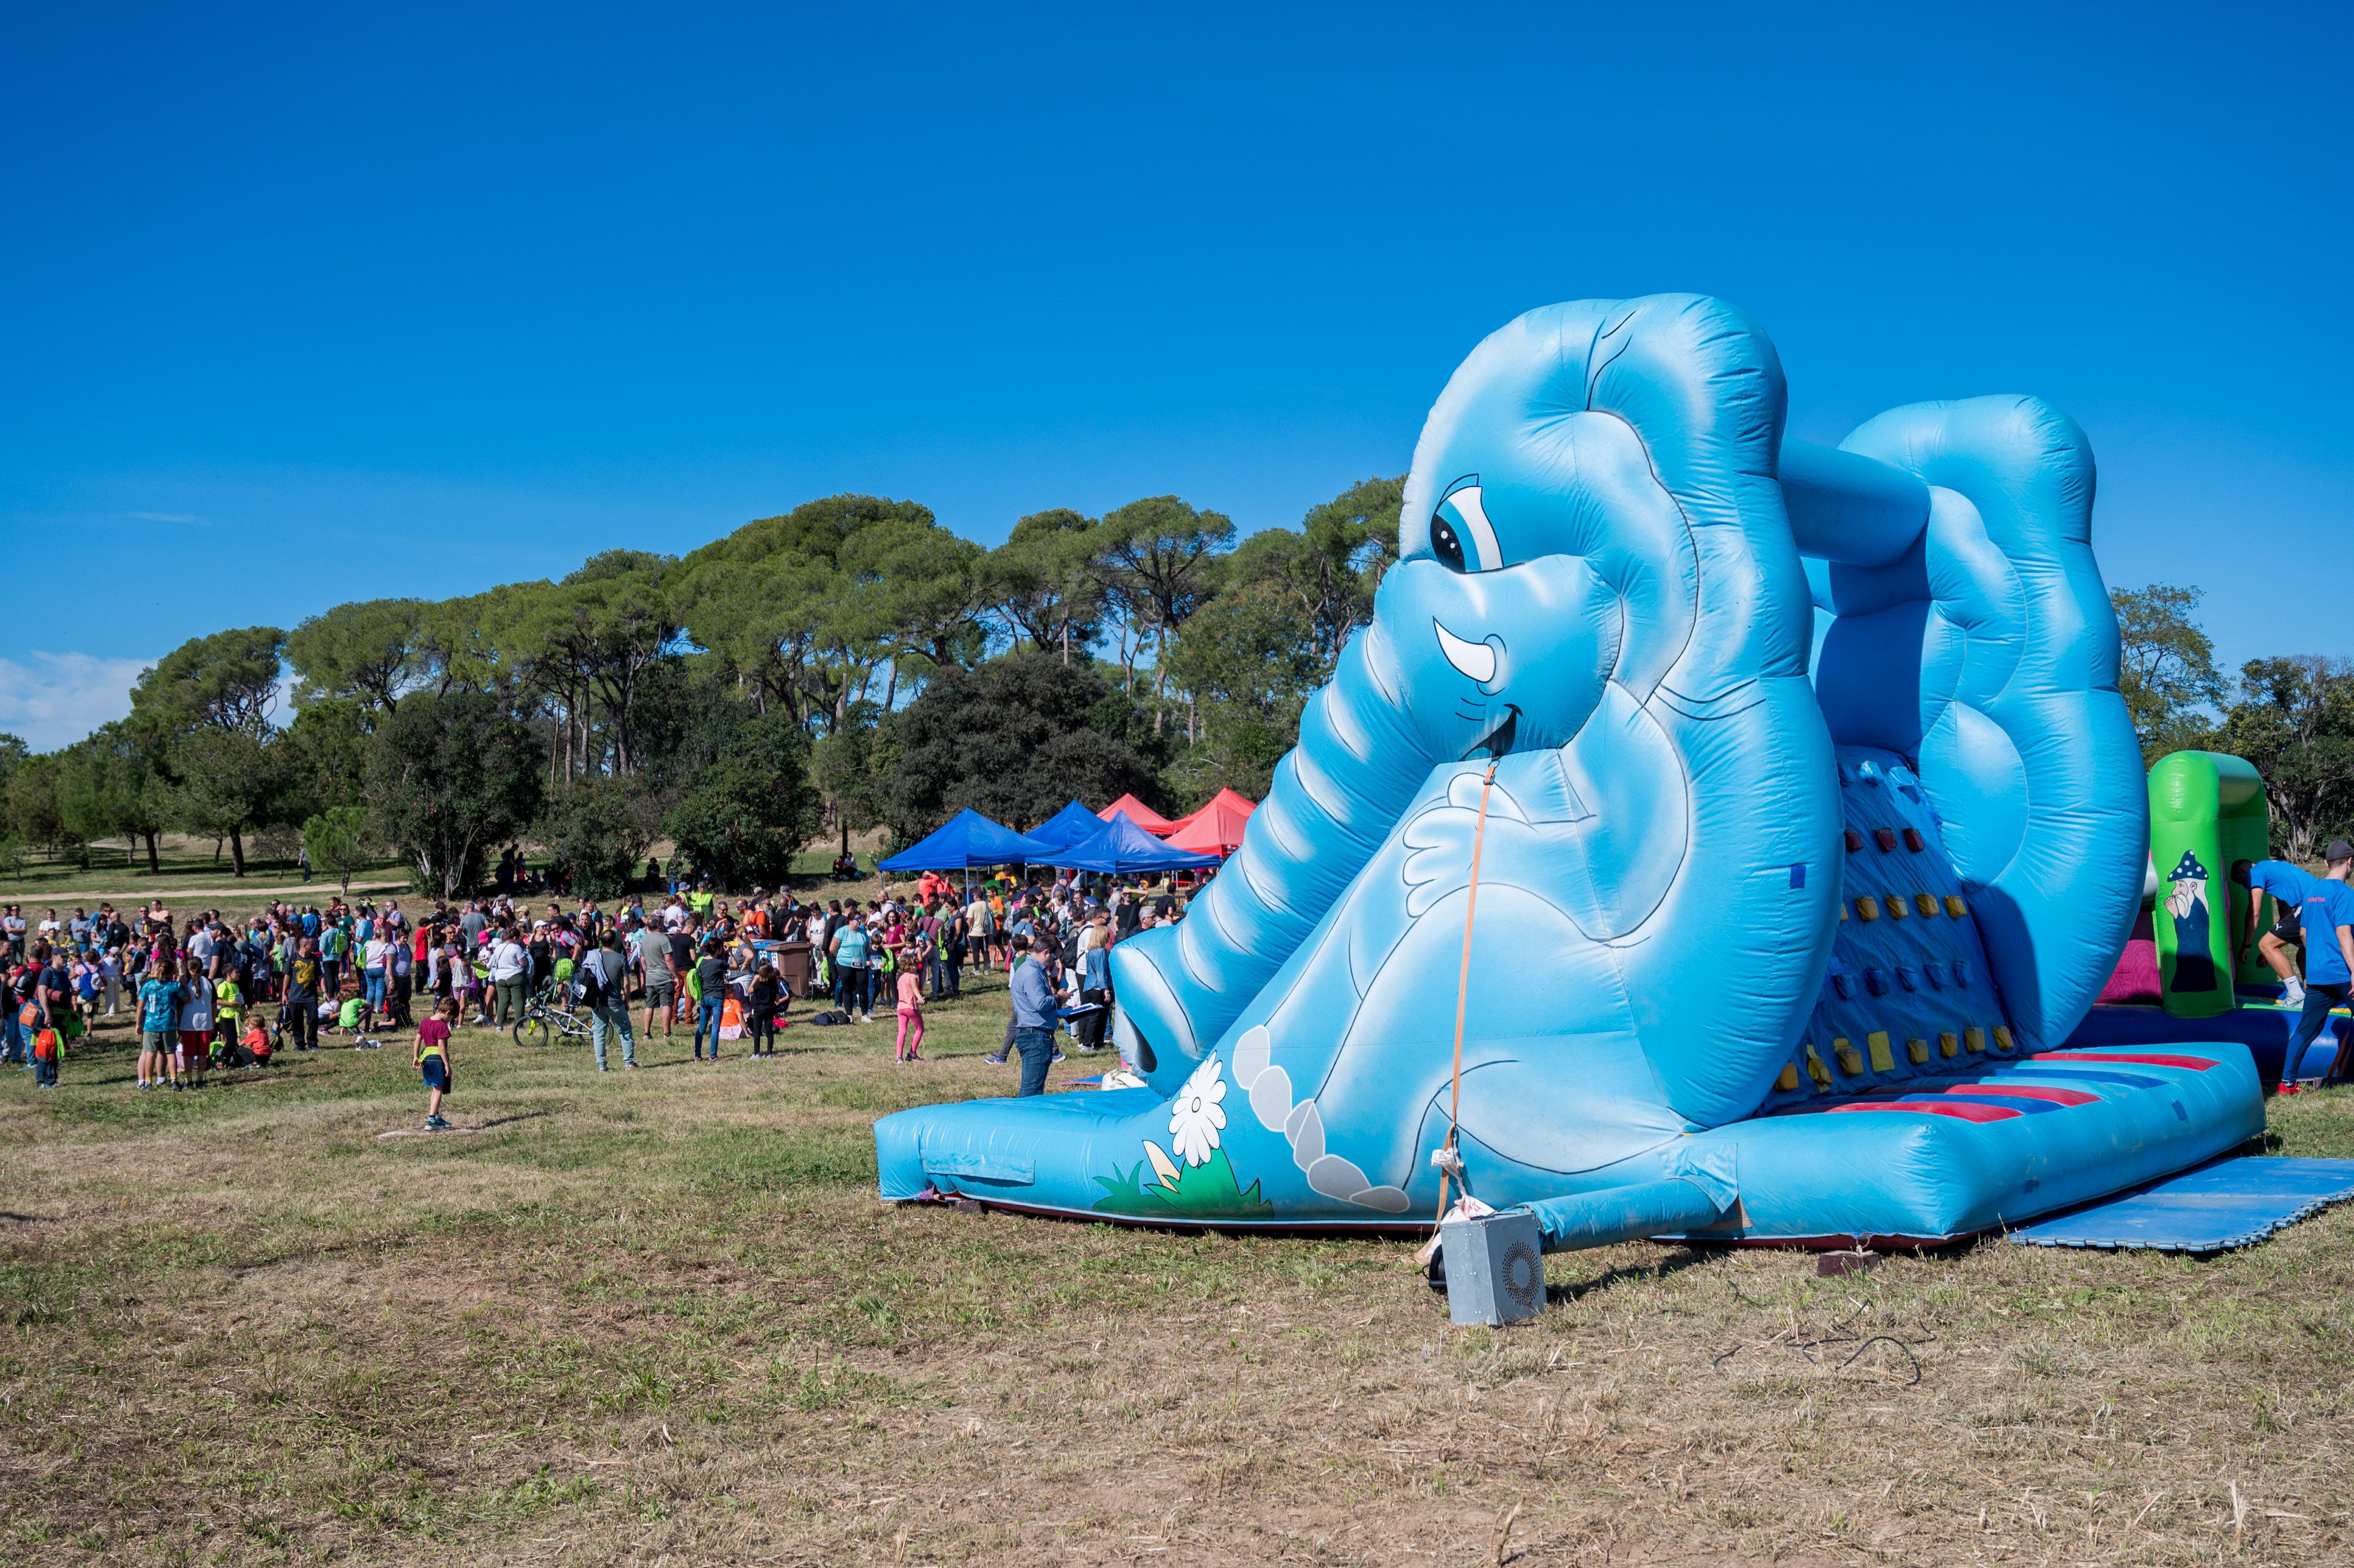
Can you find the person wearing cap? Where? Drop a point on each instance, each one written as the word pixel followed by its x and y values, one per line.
pixel 2324 907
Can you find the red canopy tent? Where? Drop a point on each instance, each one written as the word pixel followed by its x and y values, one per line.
pixel 1136 812
pixel 1217 828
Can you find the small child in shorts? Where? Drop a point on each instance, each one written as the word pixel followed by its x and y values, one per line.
pixel 433 1058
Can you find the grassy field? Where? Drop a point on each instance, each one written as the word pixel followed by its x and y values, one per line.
pixel 661 1317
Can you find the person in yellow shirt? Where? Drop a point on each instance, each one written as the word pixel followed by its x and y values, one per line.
pixel 229 1007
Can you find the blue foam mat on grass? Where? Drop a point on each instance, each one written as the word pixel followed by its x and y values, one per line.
pixel 2231 1202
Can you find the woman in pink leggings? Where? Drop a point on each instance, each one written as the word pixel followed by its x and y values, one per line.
pixel 911 1017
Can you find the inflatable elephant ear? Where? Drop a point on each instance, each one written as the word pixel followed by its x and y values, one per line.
pixel 1974 638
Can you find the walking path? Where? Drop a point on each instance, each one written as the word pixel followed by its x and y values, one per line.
pixel 154 891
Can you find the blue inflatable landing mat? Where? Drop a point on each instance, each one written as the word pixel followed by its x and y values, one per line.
pixel 2231 1202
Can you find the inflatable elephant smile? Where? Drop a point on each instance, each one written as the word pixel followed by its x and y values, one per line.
pixel 1703 931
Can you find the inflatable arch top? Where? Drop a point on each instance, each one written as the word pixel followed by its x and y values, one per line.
pixel 1755 956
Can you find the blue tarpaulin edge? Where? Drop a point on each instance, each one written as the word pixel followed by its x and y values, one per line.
pixel 2230 1202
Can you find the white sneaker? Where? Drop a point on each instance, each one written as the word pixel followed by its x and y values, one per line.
pixel 2293 993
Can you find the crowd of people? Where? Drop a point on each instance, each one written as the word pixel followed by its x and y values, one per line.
pixel 209 993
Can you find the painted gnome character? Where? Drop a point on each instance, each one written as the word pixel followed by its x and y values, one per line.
pixel 2194 960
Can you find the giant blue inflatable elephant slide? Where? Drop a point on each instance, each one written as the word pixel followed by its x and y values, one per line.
pixel 1755 956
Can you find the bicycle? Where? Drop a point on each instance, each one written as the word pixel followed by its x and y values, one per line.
pixel 547 1016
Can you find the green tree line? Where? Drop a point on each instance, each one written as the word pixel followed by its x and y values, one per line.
pixel 847 665
pixel 2292 715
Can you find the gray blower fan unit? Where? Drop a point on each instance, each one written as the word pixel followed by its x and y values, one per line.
pixel 1495 1268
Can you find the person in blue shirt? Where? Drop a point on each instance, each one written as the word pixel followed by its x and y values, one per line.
pixel 2325 912
pixel 1034 1017
pixel 2288 885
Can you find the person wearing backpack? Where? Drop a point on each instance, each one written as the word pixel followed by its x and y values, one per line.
pixel 599 981
pixel 46 1046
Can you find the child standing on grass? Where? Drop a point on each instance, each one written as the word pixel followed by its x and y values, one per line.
pixel 911 1017
pixel 46 1046
pixel 159 1013
pixel 433 1038
pixel 196 1032
pixel 767 998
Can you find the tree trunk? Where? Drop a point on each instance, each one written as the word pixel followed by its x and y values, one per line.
pixel 154 866
pixel 236 850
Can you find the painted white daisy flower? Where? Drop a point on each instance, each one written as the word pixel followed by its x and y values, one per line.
pixel 1194 1117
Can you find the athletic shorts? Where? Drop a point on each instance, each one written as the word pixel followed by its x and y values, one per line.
pixel 163 1040
pixel 660 991
pixel 2290 929
pixel 195 1041
pixel 437 1073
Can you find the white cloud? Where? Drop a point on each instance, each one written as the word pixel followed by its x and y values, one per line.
pixel 57 698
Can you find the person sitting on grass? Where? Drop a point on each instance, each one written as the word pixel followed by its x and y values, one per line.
pixel 434 1060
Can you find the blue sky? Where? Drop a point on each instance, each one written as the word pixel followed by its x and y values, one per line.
pixel 317 304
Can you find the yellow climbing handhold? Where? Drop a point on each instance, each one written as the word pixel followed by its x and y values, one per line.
pixel 1954 906
pixel 1816 1070
pixel 1896 910
pixel 1918 1050
pixel 1974 1037
pixel 1789 1078
pixel 1926 903
pixel 1882 1061
pixel 1949 1044
pixel 2001 1038
pixel 1850 1060
pixel 1867 908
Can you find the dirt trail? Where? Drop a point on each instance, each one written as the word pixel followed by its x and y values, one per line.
pixel 171 895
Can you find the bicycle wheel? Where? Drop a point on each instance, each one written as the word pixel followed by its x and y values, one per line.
pixel 531 1029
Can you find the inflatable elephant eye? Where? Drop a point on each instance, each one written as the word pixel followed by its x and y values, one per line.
pixel 1461 534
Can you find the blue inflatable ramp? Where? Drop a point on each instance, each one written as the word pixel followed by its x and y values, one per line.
pixel 2231 1202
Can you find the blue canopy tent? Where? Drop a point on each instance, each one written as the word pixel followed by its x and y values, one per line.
pixel 965 841
pixel 1074 824
pixel 1120 846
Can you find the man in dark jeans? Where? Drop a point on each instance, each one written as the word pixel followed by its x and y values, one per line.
pixel 303 996
pixel 2324 906
pixel 1034 1017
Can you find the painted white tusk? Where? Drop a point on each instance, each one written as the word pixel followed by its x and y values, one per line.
pixel 1477 660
